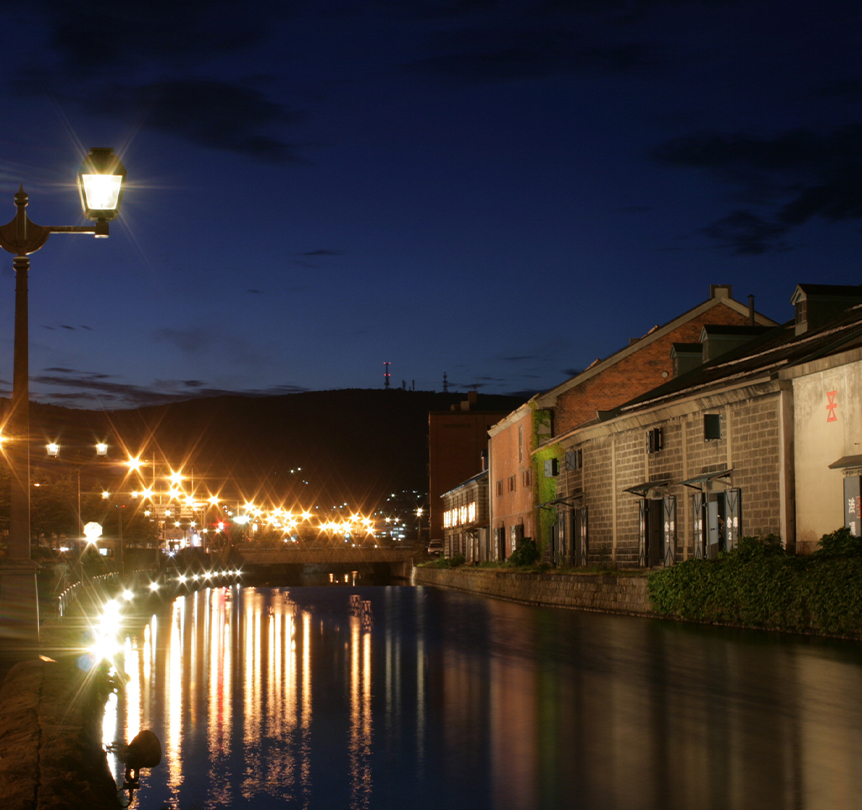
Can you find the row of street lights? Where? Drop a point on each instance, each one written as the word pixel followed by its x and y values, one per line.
pixel 100 185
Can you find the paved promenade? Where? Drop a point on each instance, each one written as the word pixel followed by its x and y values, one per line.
pixel 51 753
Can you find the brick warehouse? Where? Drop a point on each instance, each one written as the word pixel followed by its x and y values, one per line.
pixel 521 445
pixel 457 443
pixel 687 468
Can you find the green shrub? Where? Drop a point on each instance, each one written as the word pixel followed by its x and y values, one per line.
pixel 758 585
pixel 455 561
pixel 525 553
pixel 839 544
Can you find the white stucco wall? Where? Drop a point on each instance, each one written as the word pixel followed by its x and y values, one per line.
pixel 822 435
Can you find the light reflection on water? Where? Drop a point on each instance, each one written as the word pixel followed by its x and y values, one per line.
pixel 293 697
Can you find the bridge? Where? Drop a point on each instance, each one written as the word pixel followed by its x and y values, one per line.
pixel 292 561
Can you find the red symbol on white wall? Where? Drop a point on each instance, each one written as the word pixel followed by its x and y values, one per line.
pixel 831 406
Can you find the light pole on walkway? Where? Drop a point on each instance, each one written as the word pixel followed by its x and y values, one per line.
pixel 100 183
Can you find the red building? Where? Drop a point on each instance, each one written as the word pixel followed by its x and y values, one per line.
pixel 457 448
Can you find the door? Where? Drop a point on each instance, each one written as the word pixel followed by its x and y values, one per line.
pixel 716 524
pixel 669 529
pixel 655 536
pixel 733 502
pixel 642 532
pixel 579 536
pixel 697 514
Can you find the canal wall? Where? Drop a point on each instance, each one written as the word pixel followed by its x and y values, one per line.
pixel 604 593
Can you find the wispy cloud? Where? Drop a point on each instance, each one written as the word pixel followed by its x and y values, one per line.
pixel 791 179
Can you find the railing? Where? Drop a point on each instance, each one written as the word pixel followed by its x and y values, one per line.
pixel 114 582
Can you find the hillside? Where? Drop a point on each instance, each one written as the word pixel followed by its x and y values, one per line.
pixel 353 446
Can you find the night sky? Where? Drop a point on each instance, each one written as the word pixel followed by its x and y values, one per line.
pixel 499 191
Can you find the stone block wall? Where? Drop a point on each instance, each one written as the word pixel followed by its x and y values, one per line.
pixel 605 593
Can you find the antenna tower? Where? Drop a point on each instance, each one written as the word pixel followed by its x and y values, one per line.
pixel 386 374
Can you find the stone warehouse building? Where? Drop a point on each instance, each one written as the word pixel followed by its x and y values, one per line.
pixel 748 442
pixel 525 455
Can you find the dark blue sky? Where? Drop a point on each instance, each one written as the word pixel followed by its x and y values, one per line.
pixel 499 191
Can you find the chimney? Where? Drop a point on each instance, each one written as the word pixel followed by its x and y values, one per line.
pixel 721 291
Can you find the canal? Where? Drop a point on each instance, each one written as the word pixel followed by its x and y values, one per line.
pixel 393 697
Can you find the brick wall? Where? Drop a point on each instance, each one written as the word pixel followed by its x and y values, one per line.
pixel 510 486
pixel 456 440
pixel 635 374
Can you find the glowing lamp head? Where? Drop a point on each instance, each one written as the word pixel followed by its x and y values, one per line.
pixel 53 449
pixel 100 183
pixel 92 531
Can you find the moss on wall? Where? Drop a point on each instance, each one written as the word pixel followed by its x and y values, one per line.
pixel 544 487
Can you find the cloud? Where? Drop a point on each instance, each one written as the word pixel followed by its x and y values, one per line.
pixel 162 31
pixel 499 55
pixel 323 252
pixel 847 89
pixel 746 234
pixel 793 178
pixel 214 113
pixel 191 341
pixel 154 67
pixel 87 389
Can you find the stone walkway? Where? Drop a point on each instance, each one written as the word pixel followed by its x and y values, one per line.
pixel 51 753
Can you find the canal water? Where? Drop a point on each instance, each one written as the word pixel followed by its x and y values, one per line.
pixel 400 697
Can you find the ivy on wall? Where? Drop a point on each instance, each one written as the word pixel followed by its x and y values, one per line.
pixel 544 487
pixel 758 585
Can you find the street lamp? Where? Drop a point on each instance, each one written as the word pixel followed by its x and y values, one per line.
pixel 100 182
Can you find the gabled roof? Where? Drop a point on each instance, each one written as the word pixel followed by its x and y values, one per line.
pixel 826 291
pixel 764 356
pixel 472 480
pixel 548 399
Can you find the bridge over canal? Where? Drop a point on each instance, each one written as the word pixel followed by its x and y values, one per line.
pixel 292 562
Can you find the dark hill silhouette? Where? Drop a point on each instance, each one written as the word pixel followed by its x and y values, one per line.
pixel 354 445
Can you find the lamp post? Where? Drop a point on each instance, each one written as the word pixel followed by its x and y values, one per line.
pixel 100 184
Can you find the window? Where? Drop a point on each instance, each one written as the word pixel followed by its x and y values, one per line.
pixel 520 443
pixel 655 440
pixel 499 487
pixel 528 478
pixel 711 426
pixel 552 468
pixel 512 482
pixel 574 459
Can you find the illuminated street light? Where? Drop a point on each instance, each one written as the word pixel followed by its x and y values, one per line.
pixel 19 605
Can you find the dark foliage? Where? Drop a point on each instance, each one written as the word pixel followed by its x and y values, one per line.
pixel 758 585
pixel 525 553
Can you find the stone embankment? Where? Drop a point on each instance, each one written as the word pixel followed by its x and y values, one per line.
pixel 605 593
pixel 51 753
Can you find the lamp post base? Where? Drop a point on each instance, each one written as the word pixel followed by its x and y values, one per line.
pixel 19 602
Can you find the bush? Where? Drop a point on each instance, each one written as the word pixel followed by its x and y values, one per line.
pixel 455 561
pixel 758 585
pixel 839 544
pixel 525 553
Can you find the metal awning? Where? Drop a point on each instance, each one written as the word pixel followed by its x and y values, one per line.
pixel 846 461
pixel 567 501
pixel 646 489
pixel 699 480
